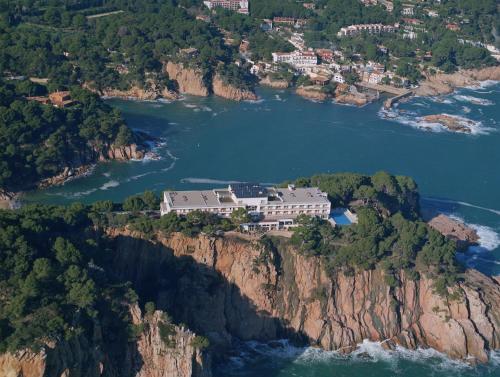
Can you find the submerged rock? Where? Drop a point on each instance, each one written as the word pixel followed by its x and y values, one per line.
pixel 452 123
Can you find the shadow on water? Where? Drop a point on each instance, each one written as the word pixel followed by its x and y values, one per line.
pixel 196 294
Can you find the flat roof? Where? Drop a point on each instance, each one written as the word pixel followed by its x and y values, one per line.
pixel 222 197
pixel 201 199
pixel 302 195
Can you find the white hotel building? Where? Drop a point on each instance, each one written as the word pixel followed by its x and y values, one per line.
pixel 271 207
pixel 298 59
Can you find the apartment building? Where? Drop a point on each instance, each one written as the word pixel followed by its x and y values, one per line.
pixel 297 59
pixel 366 28
pixel 240 6
pixel 270 207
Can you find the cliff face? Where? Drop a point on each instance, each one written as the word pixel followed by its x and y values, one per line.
pixel 84 163
pixel 125 152
pixel 149 356
pixel 227 91
pixel 228 288
pixel 179 359
pixel 189 80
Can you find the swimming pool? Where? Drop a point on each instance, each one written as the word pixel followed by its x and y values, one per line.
pixel 340 218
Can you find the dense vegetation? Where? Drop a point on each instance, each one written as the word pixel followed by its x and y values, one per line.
pixel 55 262
pixel 57 41
pixel 389 233
pixel 52 281
pixel 39 141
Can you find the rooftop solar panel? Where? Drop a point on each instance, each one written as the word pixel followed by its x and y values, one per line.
pixel 249 190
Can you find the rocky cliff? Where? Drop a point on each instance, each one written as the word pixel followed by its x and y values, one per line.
pixel 140 94
pixel 189 80
pixel 85 162
pixel 224 90
pixel 226 288
pixel 148 356
pixel 443 83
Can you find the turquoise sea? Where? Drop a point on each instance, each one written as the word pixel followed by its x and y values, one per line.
pixel 208 142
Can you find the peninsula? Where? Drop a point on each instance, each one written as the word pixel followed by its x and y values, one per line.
pixel 125 290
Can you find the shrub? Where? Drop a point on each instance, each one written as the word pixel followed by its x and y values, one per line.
pixel 200 342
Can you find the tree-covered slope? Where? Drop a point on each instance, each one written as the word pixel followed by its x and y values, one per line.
pixel 38 141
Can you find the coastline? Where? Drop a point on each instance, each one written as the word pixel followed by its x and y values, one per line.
pixel 431 86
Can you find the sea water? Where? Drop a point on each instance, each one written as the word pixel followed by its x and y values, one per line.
pixel 207 142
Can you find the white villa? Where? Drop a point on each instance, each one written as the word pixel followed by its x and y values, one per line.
pixel 272 208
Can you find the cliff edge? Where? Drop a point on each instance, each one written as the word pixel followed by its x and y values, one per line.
pixel 238 289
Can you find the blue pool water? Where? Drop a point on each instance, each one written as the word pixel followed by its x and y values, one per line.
pixel 341 218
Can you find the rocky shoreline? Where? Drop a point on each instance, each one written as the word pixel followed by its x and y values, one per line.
pixel 191 81
pixel 443 83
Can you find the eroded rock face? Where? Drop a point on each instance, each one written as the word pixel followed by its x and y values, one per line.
pixel 227 91
pixel 125 152
pixel 149 356
pixel 229 293
pixel 189 80
pixel 180 359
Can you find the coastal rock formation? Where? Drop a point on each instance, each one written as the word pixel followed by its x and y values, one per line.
pixel 134 92
pixel 349 95
pixel 312 92
pixel 231 92
pixel 189 80
pixel 443 83
pixel 122 153
pixel 84 166
pixel 455 230
pixel 227 287
pixel 148 356
pixel 178 359
pixel 67 174
pixel 452 123
pixel 276 84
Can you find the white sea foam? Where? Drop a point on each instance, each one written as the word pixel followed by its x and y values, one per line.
pixel 441 99
pixel 473 100
pixel 466 109
pixel 489 239
pixel 255 101
pixel 482 84
pixel 173 124
pixel 367 352
pixel 207 181
pixel 410 119
pixel 79 194
pixel 190 105
pixel 449 201
pixel 107 174
pixel 109 184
